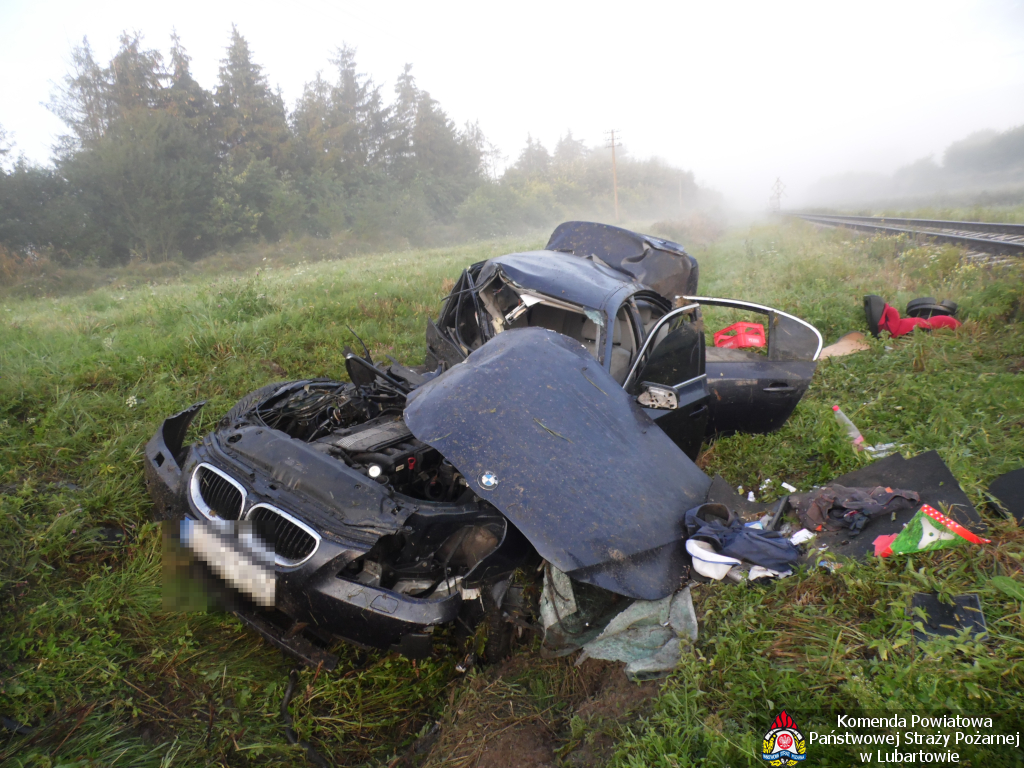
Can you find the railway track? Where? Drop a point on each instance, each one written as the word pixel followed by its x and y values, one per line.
pixel 976 236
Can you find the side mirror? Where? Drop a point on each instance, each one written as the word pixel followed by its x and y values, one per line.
pixel 657 396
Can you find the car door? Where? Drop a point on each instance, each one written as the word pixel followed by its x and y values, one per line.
pixel 461 325
pixel 753 392
pixel 668 378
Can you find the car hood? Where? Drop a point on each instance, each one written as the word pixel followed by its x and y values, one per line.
pixel 598 489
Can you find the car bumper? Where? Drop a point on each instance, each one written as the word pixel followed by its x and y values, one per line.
pixel 312 594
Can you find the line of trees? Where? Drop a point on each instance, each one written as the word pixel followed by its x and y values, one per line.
pixel 988 162
pixel 153 166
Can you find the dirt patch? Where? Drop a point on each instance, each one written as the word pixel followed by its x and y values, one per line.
pixel 538 713
pixel 525 746
pixel 616 696
pixel 275 368
pixel 616 701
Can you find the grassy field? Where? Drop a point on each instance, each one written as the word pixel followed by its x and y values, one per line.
pixel 1003 214
pixel 106 678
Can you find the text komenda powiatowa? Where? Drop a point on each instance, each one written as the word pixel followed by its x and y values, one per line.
pixel 928 739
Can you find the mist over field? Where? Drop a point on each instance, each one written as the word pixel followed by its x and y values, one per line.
pixel 727 98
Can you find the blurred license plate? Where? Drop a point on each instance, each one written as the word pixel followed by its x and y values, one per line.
pixel 235 555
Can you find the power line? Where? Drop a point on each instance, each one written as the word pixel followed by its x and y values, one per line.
pixel 615 174
pixel 775 201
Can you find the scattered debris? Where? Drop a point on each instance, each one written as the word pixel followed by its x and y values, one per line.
pixel 707 562
pixel 883 317
pixel 881 450
pixel 927 530
pixel 801 536
pixel 926 474
pixel 1008 491
pixel 849 427
pixel 836 506
pixel 716 525
pixel 557 600
pixel 927 307
pixel 757 572
pixel 852 342
pixel 740 336
pixel 646 636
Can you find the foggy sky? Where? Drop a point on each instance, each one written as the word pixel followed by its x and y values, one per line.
pixel 739 93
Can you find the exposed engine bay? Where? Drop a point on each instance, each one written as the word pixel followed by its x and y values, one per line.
pixel 361 426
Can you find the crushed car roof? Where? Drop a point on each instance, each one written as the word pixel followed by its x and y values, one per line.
pixel 662 265
pixel 561 275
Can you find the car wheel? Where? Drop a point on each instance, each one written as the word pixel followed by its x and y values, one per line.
pixel 247 402
pixel 499 635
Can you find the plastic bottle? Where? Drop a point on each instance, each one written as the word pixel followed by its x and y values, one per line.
pixel 851 430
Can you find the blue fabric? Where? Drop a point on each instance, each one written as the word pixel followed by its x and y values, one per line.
pixel 730 537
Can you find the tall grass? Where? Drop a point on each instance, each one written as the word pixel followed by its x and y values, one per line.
pixel 1003 214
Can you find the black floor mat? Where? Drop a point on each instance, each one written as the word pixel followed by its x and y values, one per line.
pixel 947 620
pixel 925 473
pixel 1009 489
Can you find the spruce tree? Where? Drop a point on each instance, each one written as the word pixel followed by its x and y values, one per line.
pixel 185 98
pixel 135 78
pixel 447 162
pixel 534 160
pixel 398 147
pixel 82 102
pixel 250 116
pixel 317 138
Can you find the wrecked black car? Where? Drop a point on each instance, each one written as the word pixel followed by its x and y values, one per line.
pixel 630 300
pixel 564 400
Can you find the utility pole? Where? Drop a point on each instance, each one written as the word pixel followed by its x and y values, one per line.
pixel 615 173
pixel 775 201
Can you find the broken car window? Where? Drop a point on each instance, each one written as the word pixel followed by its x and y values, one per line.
pixel 510 308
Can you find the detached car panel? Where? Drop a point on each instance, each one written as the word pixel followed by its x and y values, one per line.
pixel 548 437
pixel 660 264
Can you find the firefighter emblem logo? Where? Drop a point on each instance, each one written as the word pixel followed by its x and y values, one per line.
pixel 783 745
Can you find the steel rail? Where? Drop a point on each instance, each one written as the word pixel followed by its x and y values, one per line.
pixel 996 228
pixel 968 233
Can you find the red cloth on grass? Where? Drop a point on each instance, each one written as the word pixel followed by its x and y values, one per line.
pixel 883 545
pixel 897 326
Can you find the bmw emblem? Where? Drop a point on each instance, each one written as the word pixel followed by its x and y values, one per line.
pixel 488 481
